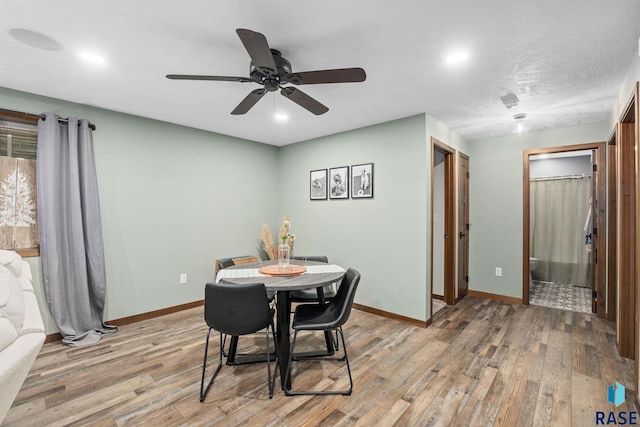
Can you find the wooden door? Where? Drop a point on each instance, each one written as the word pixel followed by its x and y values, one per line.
pixel 463 225
pixel 626 240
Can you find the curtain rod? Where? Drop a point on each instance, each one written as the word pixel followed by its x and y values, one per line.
pixel 33 117
pixel 553 178
pixel 63 120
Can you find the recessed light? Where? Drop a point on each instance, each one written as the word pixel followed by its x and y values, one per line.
pixel 34 39
pixel 281 117
pixel 92 58
pixel 457 57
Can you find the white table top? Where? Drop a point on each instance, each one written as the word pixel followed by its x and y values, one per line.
pixel 317 274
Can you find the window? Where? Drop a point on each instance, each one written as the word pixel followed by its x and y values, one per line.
pixel 18 195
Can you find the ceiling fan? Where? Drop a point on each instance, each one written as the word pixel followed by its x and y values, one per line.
pixel 269 69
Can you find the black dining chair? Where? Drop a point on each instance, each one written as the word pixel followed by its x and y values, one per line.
pixel 237 310
pixel 312 295
pixel 318 295
pixel 226 263
pixel 230 262
pixel 325 317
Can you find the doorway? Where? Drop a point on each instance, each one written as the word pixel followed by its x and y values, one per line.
pixel 442 223
pixel 569 262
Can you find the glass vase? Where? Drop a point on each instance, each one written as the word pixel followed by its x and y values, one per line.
pixel 284 254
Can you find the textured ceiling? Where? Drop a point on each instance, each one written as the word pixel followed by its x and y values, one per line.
pixel 564 60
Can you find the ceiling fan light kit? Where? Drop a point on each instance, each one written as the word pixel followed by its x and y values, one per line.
pixel 269 69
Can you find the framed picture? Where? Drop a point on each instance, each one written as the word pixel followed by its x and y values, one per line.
pixel 318 184
pixel 362 181
pixel 339 182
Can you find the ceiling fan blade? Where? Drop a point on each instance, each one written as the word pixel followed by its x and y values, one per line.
pixel 258 49
pixel 218 78
pixel 249 101
pixel 338 75
pixel 304 100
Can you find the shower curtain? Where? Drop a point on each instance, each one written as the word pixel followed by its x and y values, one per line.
pixel 559 209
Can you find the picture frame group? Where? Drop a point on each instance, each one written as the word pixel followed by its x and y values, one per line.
pixel 338 182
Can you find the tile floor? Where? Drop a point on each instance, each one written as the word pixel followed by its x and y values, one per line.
pixel 565 297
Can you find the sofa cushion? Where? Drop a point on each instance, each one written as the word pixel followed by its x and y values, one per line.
pixel 26 271
pixel 8 333
pixel 11 301
pixel 12 261
pixel 25 284
pixel 32 318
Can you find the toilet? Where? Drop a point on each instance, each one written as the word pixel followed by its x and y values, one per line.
pixel 533 264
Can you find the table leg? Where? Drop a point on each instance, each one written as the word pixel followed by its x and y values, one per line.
pixel 283 317
pixel 233 346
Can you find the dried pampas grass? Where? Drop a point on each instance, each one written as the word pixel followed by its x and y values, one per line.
pixel 267 242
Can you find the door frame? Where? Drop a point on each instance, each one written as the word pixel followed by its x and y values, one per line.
pixel 636 95
pixel 449 220
pixel 463 226
pixel 612 225
pixel 599 203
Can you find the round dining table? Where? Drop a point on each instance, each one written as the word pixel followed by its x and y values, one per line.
pixel 317 275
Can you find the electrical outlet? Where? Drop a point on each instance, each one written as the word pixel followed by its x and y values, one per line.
pixel 499 271
pixel 183 278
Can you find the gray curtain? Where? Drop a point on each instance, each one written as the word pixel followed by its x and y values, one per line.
pixel 559 211
pixel 71 246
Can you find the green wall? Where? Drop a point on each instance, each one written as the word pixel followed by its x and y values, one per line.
pixel 169 203
pixel 496 203
pixel 496 197
pixel 386 238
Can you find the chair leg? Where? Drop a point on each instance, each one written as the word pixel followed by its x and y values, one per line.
pixel 347 392
pixel 346 359
pixel 204 391
pixel 287 374
pixel 271 381
pixel 224 342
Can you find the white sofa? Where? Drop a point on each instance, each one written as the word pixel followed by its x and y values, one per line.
pixel 21 327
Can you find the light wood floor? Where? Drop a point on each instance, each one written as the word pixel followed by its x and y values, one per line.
pixel 480 363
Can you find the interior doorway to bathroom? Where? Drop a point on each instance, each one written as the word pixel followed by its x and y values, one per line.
pixel 563 212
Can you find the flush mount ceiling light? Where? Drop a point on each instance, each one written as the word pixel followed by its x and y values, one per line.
pixel 35 39
pixel 521 127
pixel 457 57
